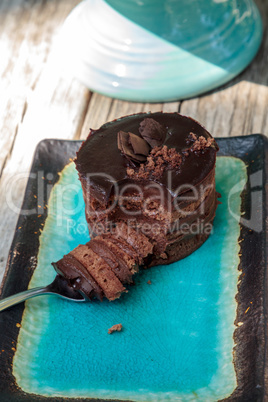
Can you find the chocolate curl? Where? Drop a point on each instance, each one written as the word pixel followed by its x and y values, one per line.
pixel 153 132
pixel 133 146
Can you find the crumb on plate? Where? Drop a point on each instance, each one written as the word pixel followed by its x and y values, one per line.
pixel 116 327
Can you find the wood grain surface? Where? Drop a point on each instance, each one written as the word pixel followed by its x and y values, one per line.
pixel 37 102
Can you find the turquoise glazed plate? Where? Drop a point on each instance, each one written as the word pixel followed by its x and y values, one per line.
pixel 196 333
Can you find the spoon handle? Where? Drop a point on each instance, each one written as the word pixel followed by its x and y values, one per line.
pixel 20 297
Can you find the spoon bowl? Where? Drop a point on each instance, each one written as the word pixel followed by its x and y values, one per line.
pixel 58 287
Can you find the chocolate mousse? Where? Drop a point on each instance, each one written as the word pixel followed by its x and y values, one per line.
pixel 148 183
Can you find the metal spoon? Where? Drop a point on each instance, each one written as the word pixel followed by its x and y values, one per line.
pixel 59 287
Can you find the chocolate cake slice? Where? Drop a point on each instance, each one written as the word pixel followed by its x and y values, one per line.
pixel 102 266
pixel 148 183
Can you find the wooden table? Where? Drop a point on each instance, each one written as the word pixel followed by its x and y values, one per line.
pixel 36 102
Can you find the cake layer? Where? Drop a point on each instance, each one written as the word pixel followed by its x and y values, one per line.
pixel 102 266
pixel 115 262
pixel 99 270
pixel 177 250
pixel 152 202
pixel 78 276
pixel 192 216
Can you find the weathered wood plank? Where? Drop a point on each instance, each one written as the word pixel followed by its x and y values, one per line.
pixel 27 31
pixel 36 102
pixel 43 119
pixel 97 113
pixel 171 107
pixel 102 109
pixel 239 109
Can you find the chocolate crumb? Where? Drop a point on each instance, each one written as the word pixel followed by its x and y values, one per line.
pixel 163 256
pixel 130 172
pixel 159 160
pixel 199 143
pixel 149 282
pixel 114 328
pixel 192 137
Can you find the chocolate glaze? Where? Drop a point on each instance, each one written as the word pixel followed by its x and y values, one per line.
pixel 99 154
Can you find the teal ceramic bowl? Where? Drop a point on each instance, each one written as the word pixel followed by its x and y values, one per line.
pixel 159 50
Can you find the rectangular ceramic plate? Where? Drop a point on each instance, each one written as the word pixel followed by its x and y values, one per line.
pixel 50 158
